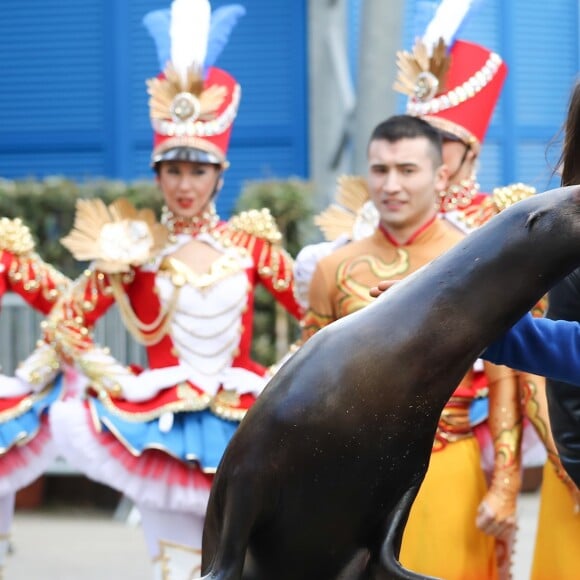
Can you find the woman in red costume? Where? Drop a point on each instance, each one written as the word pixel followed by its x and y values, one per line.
pixel 26 447
pixel 185 290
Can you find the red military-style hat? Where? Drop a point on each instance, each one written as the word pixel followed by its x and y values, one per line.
pixel 455 91
pixel 192 104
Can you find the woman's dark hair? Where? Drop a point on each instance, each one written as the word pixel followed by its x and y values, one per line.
pixel 569 162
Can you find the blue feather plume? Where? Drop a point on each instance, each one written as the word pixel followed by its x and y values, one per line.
pixel 157 24
pixel 221 25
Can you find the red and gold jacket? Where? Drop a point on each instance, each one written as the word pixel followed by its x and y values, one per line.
pixel 196 328
pixel 23 271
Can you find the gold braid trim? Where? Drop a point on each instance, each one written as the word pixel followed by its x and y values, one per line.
pixel 28 268
pixel 34 274
pixel 66 326
pixel 25 405
pixel 223 404
pixel 312 322
pixel 189 401
pixel 85 294
pixel 245 229
pixel 143 332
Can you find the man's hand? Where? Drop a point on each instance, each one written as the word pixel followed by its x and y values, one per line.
pixel 381 287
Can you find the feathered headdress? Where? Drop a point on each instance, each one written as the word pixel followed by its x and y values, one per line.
pixel 422 71
pixel 454 90
pixel 192 104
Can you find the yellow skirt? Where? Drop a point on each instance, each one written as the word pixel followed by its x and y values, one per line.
pixel 556 555
pixel 441 538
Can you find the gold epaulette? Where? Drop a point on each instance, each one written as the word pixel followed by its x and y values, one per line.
pixel 504 197
pixel 259 223
pixel 15 237
pixel 501 198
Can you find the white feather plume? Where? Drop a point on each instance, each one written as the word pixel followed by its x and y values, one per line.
pixel 447 20
pixel 189 31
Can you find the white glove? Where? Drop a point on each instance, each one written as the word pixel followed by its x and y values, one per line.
pixel 13 387
pixel 136 388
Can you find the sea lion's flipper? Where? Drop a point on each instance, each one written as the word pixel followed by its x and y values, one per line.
pixel 389 567
pixel 226 536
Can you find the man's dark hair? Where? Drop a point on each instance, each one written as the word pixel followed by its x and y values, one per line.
pixel 400 127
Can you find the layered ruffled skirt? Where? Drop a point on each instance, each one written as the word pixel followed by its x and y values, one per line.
pixel 164 463
pixel 26 445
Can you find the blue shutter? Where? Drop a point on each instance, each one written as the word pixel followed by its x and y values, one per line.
pixel 545 65
pixel 73 97
pixel 51 85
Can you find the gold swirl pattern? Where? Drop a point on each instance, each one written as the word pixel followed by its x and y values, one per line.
pixel 356 294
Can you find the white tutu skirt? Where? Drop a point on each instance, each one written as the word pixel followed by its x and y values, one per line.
pixel 150 477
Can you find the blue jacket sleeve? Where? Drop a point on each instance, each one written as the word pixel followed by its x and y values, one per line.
pixel 549 348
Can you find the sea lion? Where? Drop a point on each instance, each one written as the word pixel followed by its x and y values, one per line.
pixel 318 481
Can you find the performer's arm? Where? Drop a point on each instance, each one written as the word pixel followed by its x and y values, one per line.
pixel 535 406
pixel 70 324
pixel 276 273
pixel 23 271
pixel 257 231
pixel 498 509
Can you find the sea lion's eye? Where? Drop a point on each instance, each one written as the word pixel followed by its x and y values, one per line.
pixel 533 218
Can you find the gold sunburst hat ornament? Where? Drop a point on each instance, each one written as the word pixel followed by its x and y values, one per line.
pixel 452 84
pixel 192 104
pixel 116 237
pixel 420 75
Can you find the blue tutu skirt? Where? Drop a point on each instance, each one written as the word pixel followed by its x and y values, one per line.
pixel 26 424
pixel 199 436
